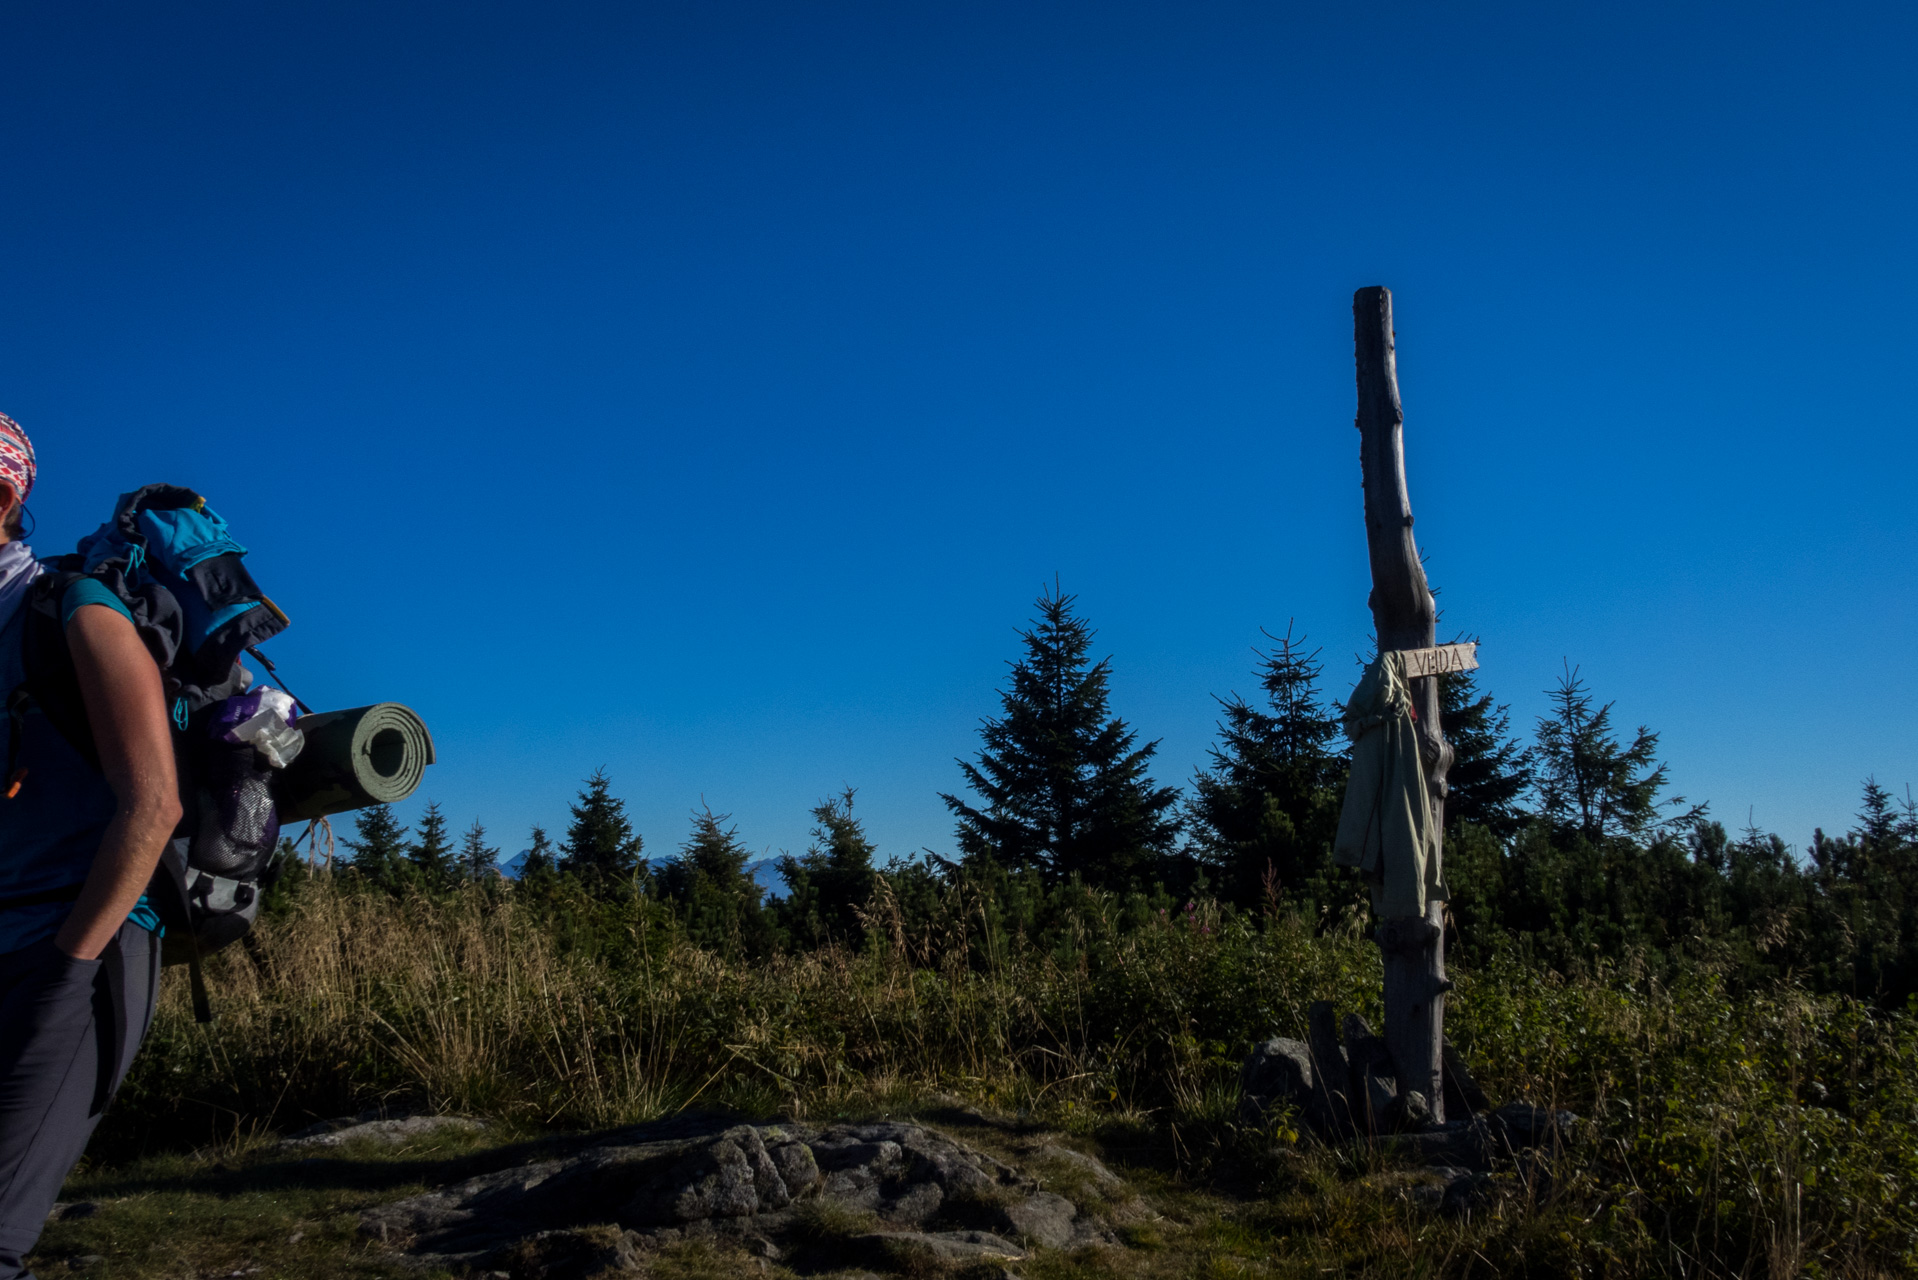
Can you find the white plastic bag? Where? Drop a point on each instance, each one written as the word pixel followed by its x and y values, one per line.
pixel 270 730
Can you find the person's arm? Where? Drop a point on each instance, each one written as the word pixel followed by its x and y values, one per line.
pixel 126 706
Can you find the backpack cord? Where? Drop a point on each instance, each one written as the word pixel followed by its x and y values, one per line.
pixel 272 673
pixel 317 828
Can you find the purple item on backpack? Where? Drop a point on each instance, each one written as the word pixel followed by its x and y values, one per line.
pixel 234 712
pixel 263 720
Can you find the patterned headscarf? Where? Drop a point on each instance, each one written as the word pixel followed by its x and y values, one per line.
pixel 16 458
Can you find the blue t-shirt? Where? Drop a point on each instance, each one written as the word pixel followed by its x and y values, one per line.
pixel 52 828
pixel 90 591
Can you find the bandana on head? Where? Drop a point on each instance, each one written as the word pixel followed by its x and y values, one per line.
pixel 16 458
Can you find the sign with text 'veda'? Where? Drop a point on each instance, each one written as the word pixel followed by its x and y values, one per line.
pixel 1440 659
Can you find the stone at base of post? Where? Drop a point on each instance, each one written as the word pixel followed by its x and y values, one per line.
pixel 1415 987
pixel 1337 1088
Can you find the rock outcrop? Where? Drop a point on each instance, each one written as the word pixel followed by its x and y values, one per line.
pixel 372 1127
pixel 878 1195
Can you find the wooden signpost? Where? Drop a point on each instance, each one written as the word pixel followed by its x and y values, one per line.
pixel 1406 617
pixel 1441 659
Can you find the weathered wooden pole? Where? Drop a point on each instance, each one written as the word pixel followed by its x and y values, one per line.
pixel 1406 617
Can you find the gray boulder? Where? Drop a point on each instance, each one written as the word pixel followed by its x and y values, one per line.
pixel 947 1246
pixel 1467 1193
pixel 1044 1219
pixel 794 1160
pixel 1276 1074
pixel 337 1133
pixel 574 1254
pixel 1523 1125
pixel 732 1176
pixel 1102 1178
pixel 644 1188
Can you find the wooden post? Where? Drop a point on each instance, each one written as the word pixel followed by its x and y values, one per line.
pixel 1405 616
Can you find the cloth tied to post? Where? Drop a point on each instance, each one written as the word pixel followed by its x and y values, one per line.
pixel 1385 827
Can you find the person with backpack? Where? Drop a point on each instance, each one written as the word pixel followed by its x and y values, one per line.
pixel 79 842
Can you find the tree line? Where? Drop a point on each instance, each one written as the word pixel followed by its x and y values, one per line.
pixel 1567 847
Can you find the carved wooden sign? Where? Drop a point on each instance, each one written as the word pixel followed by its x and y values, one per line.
pixel 1440 659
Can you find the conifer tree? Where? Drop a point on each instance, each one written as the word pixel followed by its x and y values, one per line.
pixel 478 860
pixel 828 885
pixel 1603 871
pixel 716 897
pixel 1061 782
pixel 1491 771
pixel 539 855
pixel 1887 830
pixel 1864 920
pixel 601 845
pixel 1588 783
pixel 380 848
pixel 431 852
pixel 1270 797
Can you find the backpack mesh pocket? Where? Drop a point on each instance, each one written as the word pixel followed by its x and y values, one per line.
pixel 239 825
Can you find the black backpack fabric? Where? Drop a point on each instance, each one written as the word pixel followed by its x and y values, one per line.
pixel 171 562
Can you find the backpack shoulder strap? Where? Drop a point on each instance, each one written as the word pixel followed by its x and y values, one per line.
pixel 47 661
pixel 50 682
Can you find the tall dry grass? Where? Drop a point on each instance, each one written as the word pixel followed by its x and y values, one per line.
pixel 1762 1135
pixel 472 1003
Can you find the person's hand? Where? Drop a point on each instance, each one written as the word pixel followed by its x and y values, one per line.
pixel 57 960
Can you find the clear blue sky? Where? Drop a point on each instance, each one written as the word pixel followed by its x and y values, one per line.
pixel 705 391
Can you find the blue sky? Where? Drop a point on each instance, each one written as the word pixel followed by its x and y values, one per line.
pixel 705 391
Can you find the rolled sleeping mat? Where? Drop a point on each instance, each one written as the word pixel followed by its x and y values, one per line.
pixel 353 759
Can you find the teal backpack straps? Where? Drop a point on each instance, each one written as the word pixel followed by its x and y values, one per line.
pixel 50 685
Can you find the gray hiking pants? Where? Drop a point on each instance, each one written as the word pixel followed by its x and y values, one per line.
pixel 68 1032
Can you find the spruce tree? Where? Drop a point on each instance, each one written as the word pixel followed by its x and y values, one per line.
pixel 380 849
pixel 601 845
pixel 1887 830
pixel 1863 921
pixel 1589 784
pixel 716 898
pixel 539 855
pixel 1270 798
pixel 1491 771
pixel 478 860
pixel 431 852
pixel 826 888
pixel 1062 786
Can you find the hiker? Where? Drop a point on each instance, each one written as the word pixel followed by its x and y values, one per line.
pixel 79 951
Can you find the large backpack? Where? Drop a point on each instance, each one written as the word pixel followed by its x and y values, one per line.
pixel 171 562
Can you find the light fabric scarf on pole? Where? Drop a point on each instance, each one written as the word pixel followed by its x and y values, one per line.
pixel 1385 827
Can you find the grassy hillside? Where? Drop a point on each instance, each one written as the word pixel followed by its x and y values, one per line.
pixel 1771 1133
